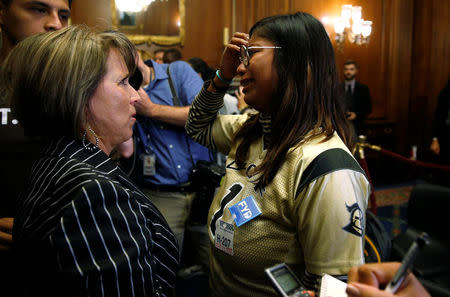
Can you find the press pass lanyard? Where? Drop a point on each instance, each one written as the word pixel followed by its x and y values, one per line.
pixel 148 157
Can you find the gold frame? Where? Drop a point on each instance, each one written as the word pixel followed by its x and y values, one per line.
pixel 149 39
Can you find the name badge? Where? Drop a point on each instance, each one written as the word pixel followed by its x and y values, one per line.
pixel 245 211
pixel 224 237
pixel 148 164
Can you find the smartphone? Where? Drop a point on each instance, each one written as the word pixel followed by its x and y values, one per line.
pixel 285 281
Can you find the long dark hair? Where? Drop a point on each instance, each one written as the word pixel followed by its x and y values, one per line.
pixel 308 95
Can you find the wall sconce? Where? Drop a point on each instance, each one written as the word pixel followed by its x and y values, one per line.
pixel 351 24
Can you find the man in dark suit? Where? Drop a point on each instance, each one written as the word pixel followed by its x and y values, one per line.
pixel 357 98
pixel 18 20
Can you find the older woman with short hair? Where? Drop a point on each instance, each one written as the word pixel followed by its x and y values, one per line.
pixel 82 227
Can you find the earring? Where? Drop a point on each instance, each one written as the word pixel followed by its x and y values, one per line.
pixel 86 145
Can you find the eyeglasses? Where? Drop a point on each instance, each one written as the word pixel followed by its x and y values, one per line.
pixel 247 53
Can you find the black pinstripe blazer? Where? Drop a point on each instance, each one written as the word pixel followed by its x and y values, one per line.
pixel 84 229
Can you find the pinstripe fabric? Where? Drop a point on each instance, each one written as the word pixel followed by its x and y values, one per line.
pixel 84 229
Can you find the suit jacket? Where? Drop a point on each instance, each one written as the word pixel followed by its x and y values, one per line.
pixel 360 104
pixel 84 229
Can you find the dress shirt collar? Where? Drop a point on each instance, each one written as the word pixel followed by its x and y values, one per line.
pixel 351 83
pixel 160 70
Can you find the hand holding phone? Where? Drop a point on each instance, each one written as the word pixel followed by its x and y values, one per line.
pixel 285 282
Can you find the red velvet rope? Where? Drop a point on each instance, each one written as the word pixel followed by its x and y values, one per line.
pixel 363 163
pixel 414 162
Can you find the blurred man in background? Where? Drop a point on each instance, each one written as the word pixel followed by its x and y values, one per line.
pixel 158 56
pixel 357 95
pixel 171 55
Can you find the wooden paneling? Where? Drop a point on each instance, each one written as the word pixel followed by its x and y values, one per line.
pixel 405 64
pixel 204 29
pixel 423 16
pixel 160 19
pixel 430 69
pixel 92 13
pixel 398 78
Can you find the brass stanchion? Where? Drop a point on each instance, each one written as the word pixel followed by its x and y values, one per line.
pixel 358 152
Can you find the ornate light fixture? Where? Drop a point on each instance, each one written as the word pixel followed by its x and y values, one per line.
pixel 351 24
pixel 132 5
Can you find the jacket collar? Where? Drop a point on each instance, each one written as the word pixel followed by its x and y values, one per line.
pixel 74 149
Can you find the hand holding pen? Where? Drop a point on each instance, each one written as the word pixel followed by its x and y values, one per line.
pixel 369 280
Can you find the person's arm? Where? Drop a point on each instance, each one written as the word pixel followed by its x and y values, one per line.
pixel 206 105
pixel 369 280
pixel 144 69
pixel 6 225
pixel 174 115
pixel 202 114
pixel 330 213
pixel 187 84
pixel 104 239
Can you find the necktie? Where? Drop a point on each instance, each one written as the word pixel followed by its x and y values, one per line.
pixel 349 99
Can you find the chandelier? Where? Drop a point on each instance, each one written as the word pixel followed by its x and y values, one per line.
pixel 351 25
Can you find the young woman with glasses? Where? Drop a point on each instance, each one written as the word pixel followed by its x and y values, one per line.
pixel 292 192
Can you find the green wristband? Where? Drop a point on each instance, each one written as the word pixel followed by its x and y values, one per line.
pixel 221 79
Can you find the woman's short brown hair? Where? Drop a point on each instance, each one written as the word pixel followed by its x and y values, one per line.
pixel 50 77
